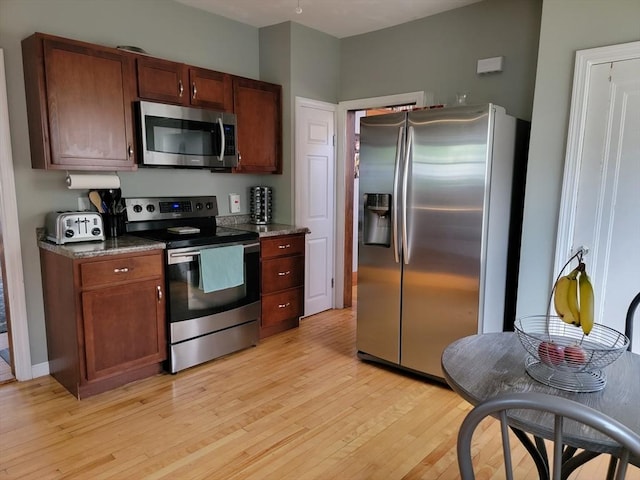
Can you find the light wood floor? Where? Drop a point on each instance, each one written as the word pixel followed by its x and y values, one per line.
pixel 298 406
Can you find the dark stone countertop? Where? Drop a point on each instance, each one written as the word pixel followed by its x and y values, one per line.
pixel 271 229
pixel 111 246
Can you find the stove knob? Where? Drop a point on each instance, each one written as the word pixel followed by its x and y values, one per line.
pixel 198 206
pixel 150 208
pixel 137 208
pixel 209 205
pixel 68 233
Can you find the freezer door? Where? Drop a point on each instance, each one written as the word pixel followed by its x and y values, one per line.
pixel 379 267
pixel 445 197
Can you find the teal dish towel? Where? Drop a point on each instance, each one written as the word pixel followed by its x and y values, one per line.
pixel 221 267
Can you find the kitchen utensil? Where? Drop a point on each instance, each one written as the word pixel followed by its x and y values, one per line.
pixel 107 200
pixel 96 200
pixel 116 196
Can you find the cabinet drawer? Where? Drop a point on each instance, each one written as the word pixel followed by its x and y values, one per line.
pixel 120 270
pixel 277 307
pixel 285 245
pixel 282 273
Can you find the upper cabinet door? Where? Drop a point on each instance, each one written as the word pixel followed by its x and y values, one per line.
pixel 162 80
pixel 171 82
pixel 258 108
pixel 210 89
pixel 80 116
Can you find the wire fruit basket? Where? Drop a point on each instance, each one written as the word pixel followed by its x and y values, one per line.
pixel 561 356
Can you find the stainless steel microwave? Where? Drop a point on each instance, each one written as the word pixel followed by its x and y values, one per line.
pixel 174 136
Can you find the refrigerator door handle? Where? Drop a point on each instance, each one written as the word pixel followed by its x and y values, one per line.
pixel 405 181
pixel 396 181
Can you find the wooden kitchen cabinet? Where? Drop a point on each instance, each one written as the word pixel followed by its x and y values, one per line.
pixel 258 107
pixel 79 105
pixel 105 319
pixel 282 282
pixel 172 82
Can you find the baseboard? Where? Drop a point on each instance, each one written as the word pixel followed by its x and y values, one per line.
pixel 40 370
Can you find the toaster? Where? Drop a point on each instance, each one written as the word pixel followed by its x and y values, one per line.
pixel 67 227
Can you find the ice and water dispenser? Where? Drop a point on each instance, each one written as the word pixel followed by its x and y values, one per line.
pixel 376 228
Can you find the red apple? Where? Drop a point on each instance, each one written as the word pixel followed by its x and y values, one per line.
pixel 575 355
pixel 551 353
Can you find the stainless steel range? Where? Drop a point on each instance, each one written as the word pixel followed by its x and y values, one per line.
pixel 212 277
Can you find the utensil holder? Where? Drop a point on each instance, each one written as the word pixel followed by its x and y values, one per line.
pixel 261 205
pixel 113 224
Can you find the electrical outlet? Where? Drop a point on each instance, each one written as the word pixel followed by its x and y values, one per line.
pixel 234 203
pixel 83 204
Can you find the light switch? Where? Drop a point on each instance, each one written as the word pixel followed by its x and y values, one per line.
pixel 234 203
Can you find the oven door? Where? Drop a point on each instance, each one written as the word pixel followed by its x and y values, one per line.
pixel 186 301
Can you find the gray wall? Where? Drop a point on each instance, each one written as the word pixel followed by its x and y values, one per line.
pixel 163 28
pixel 439 54
pixel 306 63
pixel 567 26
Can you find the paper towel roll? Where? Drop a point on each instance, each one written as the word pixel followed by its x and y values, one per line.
pixel 91 182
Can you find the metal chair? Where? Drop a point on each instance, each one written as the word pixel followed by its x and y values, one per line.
pixel 628 326
pixel 561 408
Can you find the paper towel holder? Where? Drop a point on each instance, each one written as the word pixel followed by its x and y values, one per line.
pixel 92 181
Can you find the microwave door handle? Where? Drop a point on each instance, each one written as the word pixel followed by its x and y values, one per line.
pixel 222 146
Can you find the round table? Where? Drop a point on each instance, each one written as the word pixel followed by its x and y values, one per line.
pixel 480 367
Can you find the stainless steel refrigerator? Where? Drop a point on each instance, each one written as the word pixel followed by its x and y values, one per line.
pixel 439 223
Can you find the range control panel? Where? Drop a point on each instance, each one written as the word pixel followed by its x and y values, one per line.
pixel 167 208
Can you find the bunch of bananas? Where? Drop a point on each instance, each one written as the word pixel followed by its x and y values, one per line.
pixel 573 298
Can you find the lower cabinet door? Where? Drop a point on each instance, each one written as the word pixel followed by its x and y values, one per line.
pixel 281 306
pixel 123 328
pixel 282 273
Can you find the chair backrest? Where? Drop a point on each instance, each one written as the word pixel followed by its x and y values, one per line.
pixel 628 326
pixel 561 408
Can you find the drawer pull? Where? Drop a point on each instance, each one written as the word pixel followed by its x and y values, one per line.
pixel 282 247
pixel 282 274
pixel 284 305
pixel 159 292
pixel 120 270
pixel 180 88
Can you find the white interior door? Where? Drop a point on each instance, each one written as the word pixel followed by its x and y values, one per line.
pixel 601 195
pixel 315 198
pixel 12 250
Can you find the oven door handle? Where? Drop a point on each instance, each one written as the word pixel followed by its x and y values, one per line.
pixel 190 254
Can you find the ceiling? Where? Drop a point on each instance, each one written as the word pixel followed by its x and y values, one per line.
pixel 339 18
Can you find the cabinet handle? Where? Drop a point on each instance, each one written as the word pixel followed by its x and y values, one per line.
pixel 284 305
pixel 195 90
pixel 180 88
pixel 130 151
pixel 159 288
pixel 282 274
pixel 282 247
pixel 120 270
